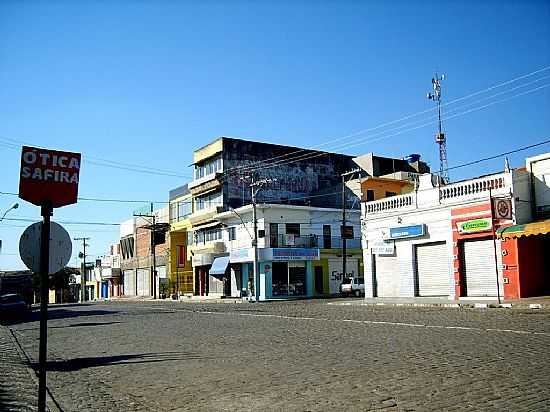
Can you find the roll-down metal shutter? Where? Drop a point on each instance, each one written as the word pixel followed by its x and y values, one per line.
pixel 143 282
pixel 479 267
pixel 432 269
pixel 388 279
pixel 129 283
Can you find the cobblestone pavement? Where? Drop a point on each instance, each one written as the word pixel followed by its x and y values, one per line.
pixel 303 356
pixel 18 389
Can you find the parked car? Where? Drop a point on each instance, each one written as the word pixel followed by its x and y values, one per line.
pixel 12 305
pixel 353 286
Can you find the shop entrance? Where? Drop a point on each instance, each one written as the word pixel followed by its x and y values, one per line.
pixel 288 279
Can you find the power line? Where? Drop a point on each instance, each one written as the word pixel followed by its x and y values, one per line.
pixel 95 199
pixel 66 222
pixel 520 149
pixel 105 162
pixel 370 139
pixel 242 168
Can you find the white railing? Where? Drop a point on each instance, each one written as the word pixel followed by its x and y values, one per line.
pixel 454 193
pixel 472 188
pixel 391 203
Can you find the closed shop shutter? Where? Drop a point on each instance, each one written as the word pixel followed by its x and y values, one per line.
pixel 388 279
pixel 432 269
pixel 335 272
pixel 479 267
pixel 129 283
pixel 143 282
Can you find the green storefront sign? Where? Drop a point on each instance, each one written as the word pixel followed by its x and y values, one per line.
pixel 475 225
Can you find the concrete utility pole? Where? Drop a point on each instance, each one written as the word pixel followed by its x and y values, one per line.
pixel 255 187
pixel 343 233
pixel 153 252
pixel 83 274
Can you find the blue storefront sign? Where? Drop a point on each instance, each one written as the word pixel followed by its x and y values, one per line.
pixel 401 232
pixel 285 254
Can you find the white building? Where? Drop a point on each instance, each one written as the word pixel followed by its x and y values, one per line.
pixel 438 241
pixel 299 250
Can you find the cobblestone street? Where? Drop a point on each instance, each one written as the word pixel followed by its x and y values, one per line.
pixel 305 355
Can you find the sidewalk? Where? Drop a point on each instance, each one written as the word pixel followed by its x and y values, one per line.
pixel 541 302
pixel 18 384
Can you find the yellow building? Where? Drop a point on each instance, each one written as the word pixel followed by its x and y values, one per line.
pixel 181 280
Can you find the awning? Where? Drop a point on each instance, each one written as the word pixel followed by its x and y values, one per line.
pixel 219 266
pixel 529 229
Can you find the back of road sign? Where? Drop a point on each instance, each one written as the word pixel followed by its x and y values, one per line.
pixel 60 247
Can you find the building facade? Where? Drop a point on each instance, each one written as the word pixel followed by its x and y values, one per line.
pixel 138 237
pixel 299 250
pixel 438 241
pixel 224 171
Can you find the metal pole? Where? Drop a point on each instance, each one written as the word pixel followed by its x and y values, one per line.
pixel 83 277
pixel 255 246
pixel 47 211
pixel 494 242
pixel 154 256
pixel 342 234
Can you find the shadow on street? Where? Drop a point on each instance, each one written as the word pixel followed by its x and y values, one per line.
pixel 53 314
pixel 71 365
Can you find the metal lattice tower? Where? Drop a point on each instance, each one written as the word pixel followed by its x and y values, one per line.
pixel 440 136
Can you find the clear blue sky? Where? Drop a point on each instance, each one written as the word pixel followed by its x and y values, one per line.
pixel 147 82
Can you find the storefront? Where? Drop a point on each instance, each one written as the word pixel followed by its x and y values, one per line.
pixel 129 288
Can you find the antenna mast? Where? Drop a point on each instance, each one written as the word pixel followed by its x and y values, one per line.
pixel 440 136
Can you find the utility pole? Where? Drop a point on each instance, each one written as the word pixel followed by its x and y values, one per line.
pixel 152 246
pixel 83 274
pixel 440 138
pixel 343 233
pixel 255 187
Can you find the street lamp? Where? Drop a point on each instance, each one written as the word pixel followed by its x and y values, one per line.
pixel 14 206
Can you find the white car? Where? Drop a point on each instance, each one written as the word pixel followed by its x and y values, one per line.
pixel 353 286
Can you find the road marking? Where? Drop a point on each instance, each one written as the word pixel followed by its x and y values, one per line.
pixel 367 322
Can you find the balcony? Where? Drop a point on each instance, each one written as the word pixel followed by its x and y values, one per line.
pixel 311 241
pixel 455 193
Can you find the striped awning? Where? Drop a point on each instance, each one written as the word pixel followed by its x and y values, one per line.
pixel 529 229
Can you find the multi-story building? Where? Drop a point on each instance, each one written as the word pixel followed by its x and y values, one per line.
pixel 436 240
pixel 138 237
pixel 224 171
pixel 108 270
pixel 180 268
pixel 299 250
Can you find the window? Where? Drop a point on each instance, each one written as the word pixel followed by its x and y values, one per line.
pixel 208 201
pixel 232 233
pixel 211 235
pixel 190 238
pixel 208 167
pixel 390 194
pixel 173 212
pixel 327 237
pixel 370 195
pixel 184 209
pixel 293 229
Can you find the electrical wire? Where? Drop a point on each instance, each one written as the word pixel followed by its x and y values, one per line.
pixel 265 161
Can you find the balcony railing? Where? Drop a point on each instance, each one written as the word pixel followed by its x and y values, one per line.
pixel 311 241
pixel 472 188
pixel 390 203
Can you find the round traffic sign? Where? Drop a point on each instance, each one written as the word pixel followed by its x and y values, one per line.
pixel 60 247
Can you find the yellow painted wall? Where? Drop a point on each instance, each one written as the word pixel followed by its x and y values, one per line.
pixel 208 151
pixel 182 275
pixel 381 186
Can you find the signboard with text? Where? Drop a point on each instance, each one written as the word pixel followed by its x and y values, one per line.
pixel 475 225
pixel 49 176
pixel 402 232
pixel 382 247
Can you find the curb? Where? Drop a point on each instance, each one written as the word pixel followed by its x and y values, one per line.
pixel 524 306
pixel 51 404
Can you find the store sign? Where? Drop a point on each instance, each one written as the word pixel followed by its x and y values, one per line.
pixel 286 254
pixel 241 255
pixel 382 247
pixel 49 177
pixel 402 232
pixel 203 259
pixel 475 225
pixel 503 208
pixel 335 272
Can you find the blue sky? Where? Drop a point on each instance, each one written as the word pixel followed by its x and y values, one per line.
pixel 147 82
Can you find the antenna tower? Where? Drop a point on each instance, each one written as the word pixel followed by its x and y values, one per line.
pixel 440 136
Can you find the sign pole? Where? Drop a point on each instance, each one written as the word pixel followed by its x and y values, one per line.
pixel 47 211
pixel 494 242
